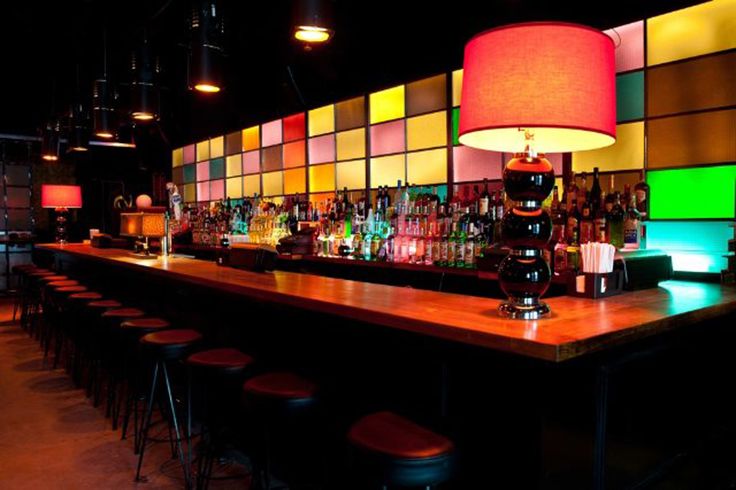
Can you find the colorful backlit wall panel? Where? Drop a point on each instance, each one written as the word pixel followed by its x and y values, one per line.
pixel 676 95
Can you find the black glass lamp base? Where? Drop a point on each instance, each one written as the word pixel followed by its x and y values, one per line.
pixel 524 310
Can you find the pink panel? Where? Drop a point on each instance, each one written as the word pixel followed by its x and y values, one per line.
pixel 203 171
pixel 629 42
pixel 189 155
pixel 556 160
pixel 322 149
pixel 217 189
pixel 203 191
pixel 271 133
pixel 472 164
pixel 388 138
pixel 251 162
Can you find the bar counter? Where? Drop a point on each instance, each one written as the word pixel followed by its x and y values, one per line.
pixel 578 326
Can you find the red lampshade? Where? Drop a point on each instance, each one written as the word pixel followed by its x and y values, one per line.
pixel 61 196
pixel 554 79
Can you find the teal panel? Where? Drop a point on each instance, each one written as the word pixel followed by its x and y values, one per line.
pixel 190 173
pixel 695 246
pixel 217 168
pixel 672 191
pixel 630 96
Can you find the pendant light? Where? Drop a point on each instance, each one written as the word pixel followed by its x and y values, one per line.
pixel 312 22
pixel 206 53
pixel 144 95
pixel 50 141
pixel 103 108
pixel 77 122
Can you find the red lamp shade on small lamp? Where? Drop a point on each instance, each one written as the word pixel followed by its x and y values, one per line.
pixel 61 198
pixel 529 88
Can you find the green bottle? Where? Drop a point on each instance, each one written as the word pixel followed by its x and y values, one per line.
pixel 460 238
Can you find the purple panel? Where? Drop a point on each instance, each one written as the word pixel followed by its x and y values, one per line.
pixel 189 154
pixel 322 149
pixel 388 138
pixel 471 164
pixel 203 171
pixel 251 162
pixel 629 42
pixel 217 189
pixel 203 191
pixel 271 133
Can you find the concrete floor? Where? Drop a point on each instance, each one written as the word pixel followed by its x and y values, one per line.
pixel 51 437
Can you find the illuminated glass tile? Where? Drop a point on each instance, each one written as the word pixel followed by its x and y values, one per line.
pixel 190 173
pixel 427 95
pixel 387 104
pixel 203 191
pixel 695 246
pixel 427 131
pixel 322 149
pixel 629 42
pixel 708 137
pixel 350 114
pixel 471 164
pixel 294 127
pixel 627 153
pixel 455 126
pixel 251 162
pixel 177 175
pixel 217 189
pixel 700 29
pixel 556 160
pixel 251 185
pixel 457 87
pixel 190 193
pixel 667 187
pixel 234 143
pixel 203 151
pixel 217 168
pixel 271 158
pixel 702 83
pixel 235 187
pixel 189 153
pixel 630 96
pixel 203 171
pixel 388 138
pixel 351 144
pixel 273 183
pixel 295 181
pixel 427 167
pixel 251 138
pixel 217 147
pixel 234 165
pixel 177 157
pixel 351 174
pixel 295 154
pixel 322 120
pixel 388 170
pixel 322 178
pixel 271 133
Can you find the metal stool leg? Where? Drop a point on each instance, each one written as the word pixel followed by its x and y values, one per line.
pixel 147 422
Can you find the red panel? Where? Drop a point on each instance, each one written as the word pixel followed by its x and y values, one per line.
pixel 294 127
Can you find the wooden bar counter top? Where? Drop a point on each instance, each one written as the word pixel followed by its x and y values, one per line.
pixel 578 326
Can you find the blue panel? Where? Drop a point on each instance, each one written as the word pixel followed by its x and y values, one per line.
pixel 695 246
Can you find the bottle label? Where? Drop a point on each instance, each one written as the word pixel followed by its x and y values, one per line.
pixel 460 253
pixel 469 253
pixel 450 253
pixel 483 206
pixel 631 234
pixel 443 251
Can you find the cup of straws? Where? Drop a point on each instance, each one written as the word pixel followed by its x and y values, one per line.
pixel 598 278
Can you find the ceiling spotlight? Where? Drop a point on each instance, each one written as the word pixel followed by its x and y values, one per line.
pixel 50 141
pixel 144 95
pixel 312 22
pixel 77 129
pixel 312 34
pixel 104 120
pixel 206 53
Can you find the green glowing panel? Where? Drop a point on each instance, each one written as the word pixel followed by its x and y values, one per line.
pixel 630 96
pixel 217 168
pixel 670 187
pixel 190 173
pixel 455 125
pixel 695 246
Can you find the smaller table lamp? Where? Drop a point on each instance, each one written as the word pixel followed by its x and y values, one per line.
pixel 61 198
pixel 145 225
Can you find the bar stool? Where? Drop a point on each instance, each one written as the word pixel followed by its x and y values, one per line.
pixel 55 323
pixel 78 329
pixel 391 450
pixel 94 339
pixel 218 374
pixel 21 272
pixel 278 400
pixel 30 315
pixel 163 348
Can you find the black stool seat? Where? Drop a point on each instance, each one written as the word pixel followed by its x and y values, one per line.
pixel 62 283
pixel 140 326
pixel 69 290
pixel 52 278
pixel 225 359
pixel 171 344
pixel 86 296
pixel 104 303
pixel 285 389
pixel 124 313
pixel 42 273
pixel 401 452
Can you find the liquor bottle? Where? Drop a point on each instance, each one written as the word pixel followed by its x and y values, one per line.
pixel 571 193
pixel 460 238
pixel 582 194
pixel 470 247
pixel 451 246
pixel 559 257
pixel 484 200
pixel 626 197
pixel 572 232
pixel 615 223
pixel 595 193
pixel 641 190
pixel 398 195
pixel 599 221
pixel 429 244
pixel 632 226
pixel 500 211
pixel 587 225
pixel 558 217
pixel 390 246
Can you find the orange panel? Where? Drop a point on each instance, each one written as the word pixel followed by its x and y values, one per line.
pixel 322 178
pixel 295 154
pixel 251 138
pixel 295 181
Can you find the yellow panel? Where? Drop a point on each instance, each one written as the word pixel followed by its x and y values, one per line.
pixel 322 178
pixel 234 188
pixel 387 104
pixel 203 151
pixel 351 144
pixel 217 147
pixel 177 157
pixel 427 167
pixel 295 180
pixel 322 120
pixel 627 153
pixel 251 185
pixel 388 170
pixel 351 174
pixel 273 183
pixel 701 29
pixel 427 131
pixel 190 193
pixel 234 164
pixel 457 87
pixel 251 138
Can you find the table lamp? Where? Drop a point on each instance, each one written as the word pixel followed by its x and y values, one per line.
pixel 528 89
pixel 143 225
pixel 61 198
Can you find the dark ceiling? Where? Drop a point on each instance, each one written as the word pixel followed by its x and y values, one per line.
pixel 52 49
